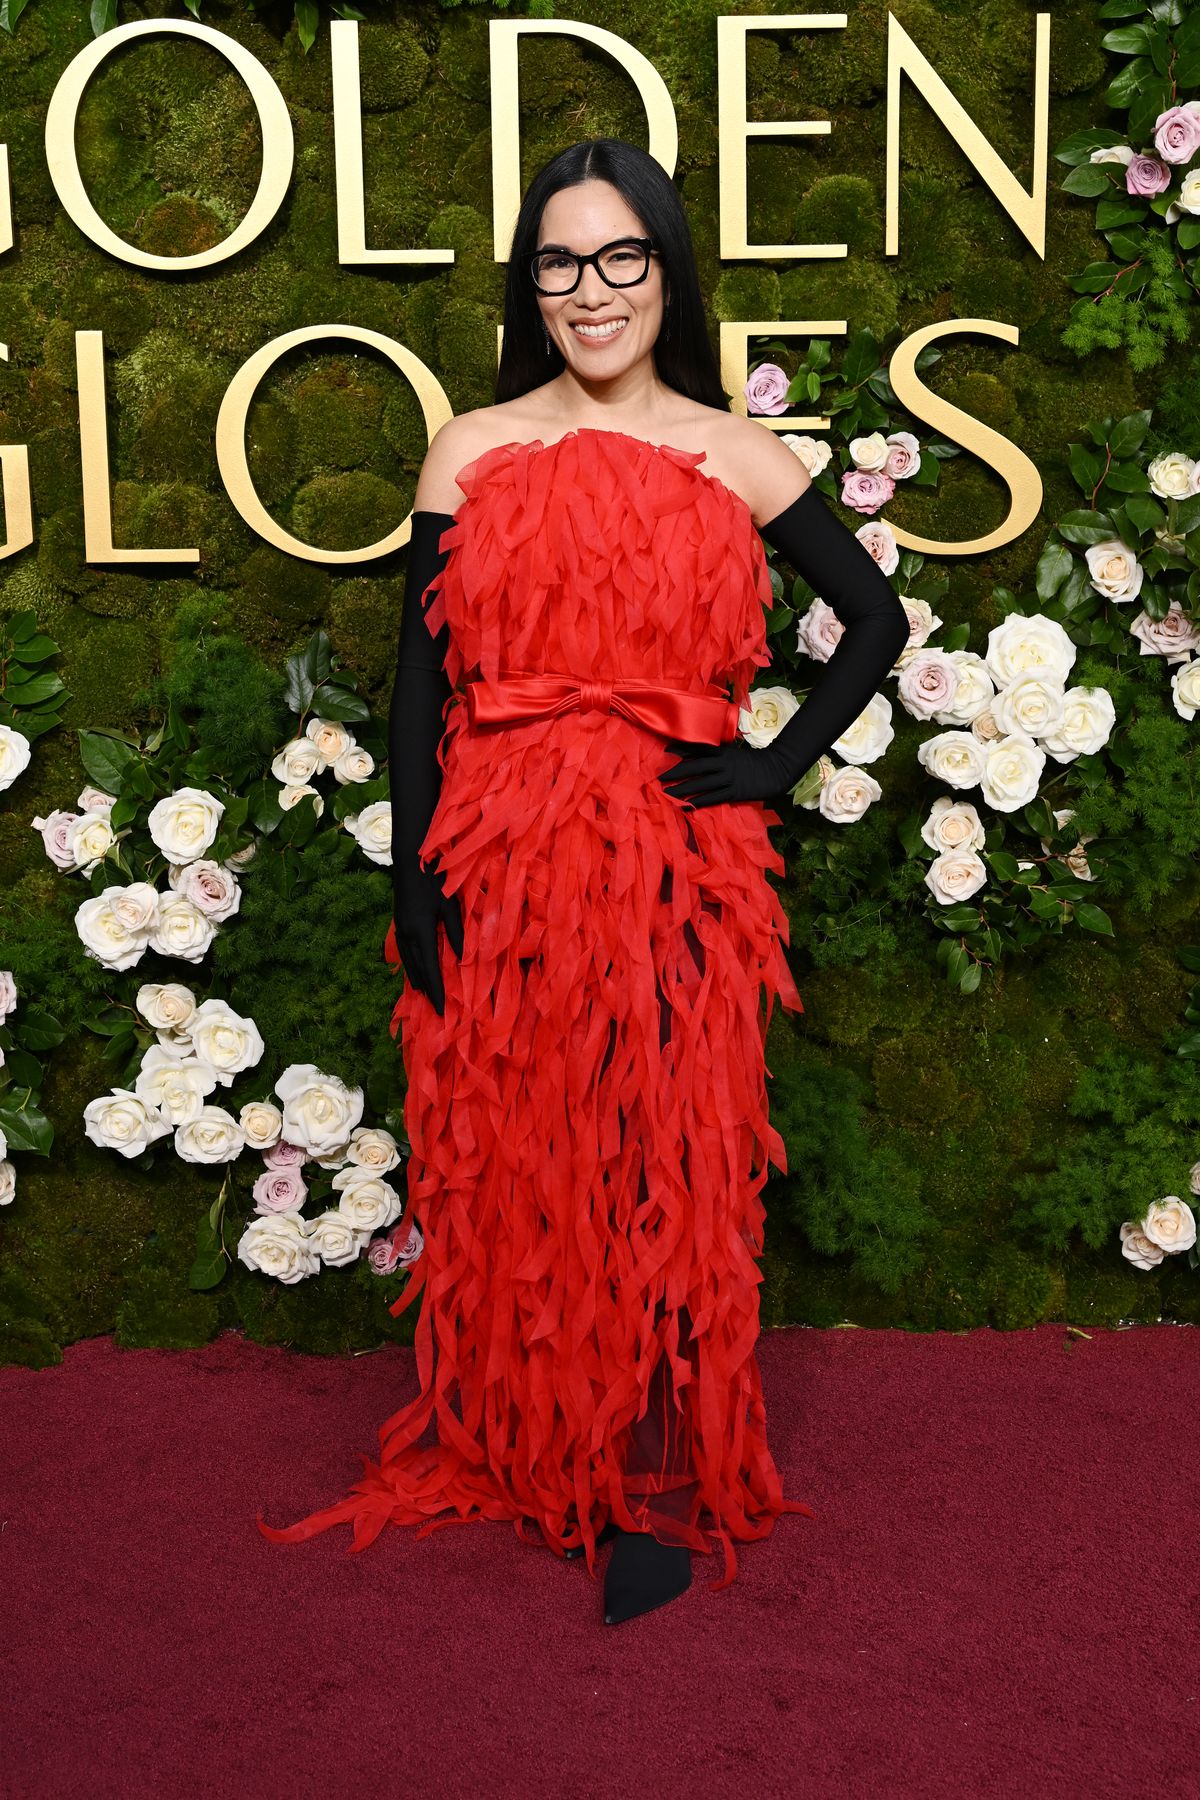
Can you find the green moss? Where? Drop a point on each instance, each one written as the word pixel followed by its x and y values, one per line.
pixel 346 512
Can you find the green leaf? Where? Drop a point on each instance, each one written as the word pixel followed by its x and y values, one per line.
pixel 10 12
pixel 1083 527
pixel 38 1029
pixel 297 823
pixel 1089 179
pixel 106 757
pixel 1054 566
pixel 1093 918
pixel 307 20
pixel 339 703
pixel 31 690
pixel 35 649
pixel 1003 863
pixel 104 16
pixel 1129 433
pixel 22 1124
pixel 209 1264
pixel 970 980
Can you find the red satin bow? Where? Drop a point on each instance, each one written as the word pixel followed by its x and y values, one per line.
pixel 705 717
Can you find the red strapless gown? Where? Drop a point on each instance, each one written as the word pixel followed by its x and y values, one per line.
pixel 588 1119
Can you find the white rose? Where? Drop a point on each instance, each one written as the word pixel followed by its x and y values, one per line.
pixel 1012 768
pixel 1028 646
pixel 769 710
pixel 91 838
pixel 210 886
pixel 975 690
pixel 812 453
pixel 372 830
pixel 1032 704
pixel 238 859
pixel 182 929
pixel 1170 1224
pixel 225 1039
pixel 176 1089
pixel 953 757
pixel 847 794
pixel 122 1121
pixel 262 1124
pixel 355 764
pixel 928 683
pixel 94 799
pixel 3 1145
pixel 136 906
pixel 1172 477
pixel 319 1111
pixel 1194 1178
pixel 1137 1248
pixel 335 1240
pixel 331 738
pixel 8 1183
pixel 367 1200
pixel 869 452
pixel 953 825
pixel 278 1244
pixel 817 635
pixel 8 994
pixel 1185 689
pixel 373 1148
pixel 1188 199
pixel 922 623
pixel 1114 570
pixel 292 795
pixel 1087 723
pixel 175 1044
pixel 955 875
pixel 56 830
pixel 184 823
pixel 213 1136
pixel 15 753
pixel 1118 153
pixel 166 1006
pixel 866 739
pixel 297 762
pixel 103 935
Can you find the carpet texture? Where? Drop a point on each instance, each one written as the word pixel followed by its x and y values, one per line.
pixel 998 1595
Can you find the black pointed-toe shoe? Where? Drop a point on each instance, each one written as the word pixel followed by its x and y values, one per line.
pixel 643 1574
pixel 604 1536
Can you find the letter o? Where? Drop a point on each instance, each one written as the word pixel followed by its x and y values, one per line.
pixel 273 118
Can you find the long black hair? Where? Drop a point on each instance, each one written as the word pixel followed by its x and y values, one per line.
pixel 683 354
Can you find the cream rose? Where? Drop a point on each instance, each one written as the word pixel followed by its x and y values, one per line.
pixel 331 738
pixel 955 875
pixel 953 825
pixel 367 1200
pixel 291 796
pixel 8 995
pixel 1086 725
pixel 847 794
pixel 15 752
pixel 122 1121
pixel 1170 1224
pixel 922 623
pixel 1031 704
pixel 182 930
pixel 225 1039
pixel 975 690
pixel 1185 689
pixel 103 935
pixel 91 837
pixel 176 1089
pixel 166 1006
pixel 335 1240
pixel 1114 570
pixel 262 1123
pixel 319 1111
pixel 984 726
pixel 8 1182
pixel 1012 768
pixel 1137 1248
pixel 279 1246
pixel 373 1148
pixel 927 683
pixel 210 886
pixel 953 757
pixel 866 739
pixel 814 453
pixel 1187 201
pixel 355 764
pixel 297 762
pixel 184 823
pixel 372 831
pixel 56 829
pixel 769 711
pixel 870 452
pixel 1172 477
pixel 213 1136
pixel 1028 646
pixel 136 906
pixel 94 799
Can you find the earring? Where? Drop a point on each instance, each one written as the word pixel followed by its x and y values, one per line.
pixel 546 336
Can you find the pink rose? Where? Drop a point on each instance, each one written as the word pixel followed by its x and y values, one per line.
pixel 904 456
pixel 283 1155
pixel 766 390
pixel 928 683
pixel 279 1191
pixel 1174 636
pixel 55 829
pixel 1145 176
pixel 1177 133
pixel 409 1242
pixel 879 540
pixel 382 1254
pixel 819 631
pixel 211 888
pixel 866 491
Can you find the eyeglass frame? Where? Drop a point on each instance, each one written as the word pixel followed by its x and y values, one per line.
pixel 647 244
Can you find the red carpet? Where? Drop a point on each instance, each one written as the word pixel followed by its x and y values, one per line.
pixel 997 1597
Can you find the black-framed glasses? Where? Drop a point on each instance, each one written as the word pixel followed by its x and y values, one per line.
pixel 621 264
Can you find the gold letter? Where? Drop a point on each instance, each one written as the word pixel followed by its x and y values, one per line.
pixel 348 158
pixel 1027 211
pixel 6 230
pixel 231 435
pixel 506 124
pixel 93 441
pixel 18 500
pixel 1012 465
pixel 273 119
pixel 733 128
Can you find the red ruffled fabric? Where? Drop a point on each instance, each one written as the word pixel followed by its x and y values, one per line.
pixel 588 1120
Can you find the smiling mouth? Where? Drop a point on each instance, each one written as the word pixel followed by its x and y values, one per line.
pixel 598 333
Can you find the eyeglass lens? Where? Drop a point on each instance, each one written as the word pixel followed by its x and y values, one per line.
pixel 556 271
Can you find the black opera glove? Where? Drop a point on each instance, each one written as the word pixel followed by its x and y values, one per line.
pixel 415 728
pixel 846 576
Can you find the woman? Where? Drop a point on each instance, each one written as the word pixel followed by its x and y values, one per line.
pixel 586 1097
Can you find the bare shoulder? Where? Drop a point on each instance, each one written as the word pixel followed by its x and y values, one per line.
pixel 762 469
pixel 460 441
